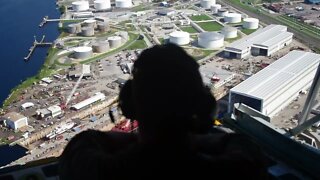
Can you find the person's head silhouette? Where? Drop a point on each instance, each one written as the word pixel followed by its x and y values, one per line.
pixel 166 94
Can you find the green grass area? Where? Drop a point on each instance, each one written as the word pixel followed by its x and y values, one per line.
pixel 198 54
pixel 248 31
pixel 300 26
pixel 139 44
pixel 141 7
pixel 189 29
pixel 210 26
pixel 195 37
pixel 205 54
pixel 130 27
pixel 4 141
pixel 63 9
pixel 244 6
pixel 104 34
pixel 45 71
pixel 72 21
pixel 122 23
pixel 162 40
pixel 202 17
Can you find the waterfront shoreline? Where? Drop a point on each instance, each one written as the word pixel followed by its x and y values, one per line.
pixel 17 91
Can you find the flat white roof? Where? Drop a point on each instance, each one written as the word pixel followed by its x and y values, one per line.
pixel 86 69
pixel 27 105
pixel 98 96
pixel 54 109
pixel 267 36
pixel 274 77
pixel 13 116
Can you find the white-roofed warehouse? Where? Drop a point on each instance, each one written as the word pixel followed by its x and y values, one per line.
pixel 273 88
pixel 262 42
pixel 97 97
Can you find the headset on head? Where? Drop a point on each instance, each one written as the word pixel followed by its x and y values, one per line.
pixel 203 113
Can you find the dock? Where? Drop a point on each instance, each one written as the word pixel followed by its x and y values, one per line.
pixel 44 21
pixel 36 44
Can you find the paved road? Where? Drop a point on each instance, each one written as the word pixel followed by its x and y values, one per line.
pixel 310 41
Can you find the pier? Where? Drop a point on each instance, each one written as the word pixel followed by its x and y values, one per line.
pixel 46 19
pixel 35 44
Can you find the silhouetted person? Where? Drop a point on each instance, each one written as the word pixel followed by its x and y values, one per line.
pixel 167 97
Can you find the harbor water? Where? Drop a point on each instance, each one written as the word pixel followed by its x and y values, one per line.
pixel 19 23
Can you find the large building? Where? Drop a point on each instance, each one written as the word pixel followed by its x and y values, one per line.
pixel 15 120
pixel 264 42
pixel 274 87
pixel 55 110
pixel 97 97
pixel 80 69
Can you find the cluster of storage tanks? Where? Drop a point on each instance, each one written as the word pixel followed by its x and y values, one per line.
pixel 87 27
pixel 101 46
pixel 99 5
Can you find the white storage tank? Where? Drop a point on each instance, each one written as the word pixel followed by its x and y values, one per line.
pixel 206 4
pixel 229 32
pixel 215 8
pixel 210 40
pixel 102 26
pixel 102 4
pixel 80 6
pixel 87 31
pixel 123 3
pixel 124 36
pixel 72 28
pixel 250 23
pixel 90 23
pixel 100 46
pixel 179 38
pixel 114 41
pixel 232 18
pixel 82 52
pixel 222 12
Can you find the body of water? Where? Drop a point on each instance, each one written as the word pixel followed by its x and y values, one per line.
pixel 19 23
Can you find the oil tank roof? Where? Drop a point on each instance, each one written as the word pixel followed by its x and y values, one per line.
pixel 90 21
pixel 233 15
pixel 251 20
pixel 179 34
pixel 276 76
pixel 229 28
pixel 211 36
pixel 80 2
pixel 112 38
pixel 83 49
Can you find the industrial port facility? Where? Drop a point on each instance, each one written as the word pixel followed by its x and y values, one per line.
pixel 243 60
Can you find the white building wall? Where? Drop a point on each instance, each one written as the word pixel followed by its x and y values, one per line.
pixel 17 124
pixel 287 94
pixel 279 46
